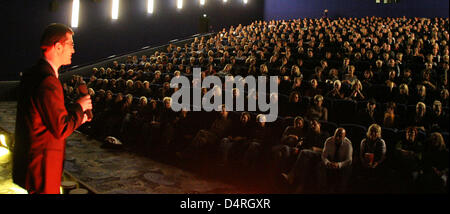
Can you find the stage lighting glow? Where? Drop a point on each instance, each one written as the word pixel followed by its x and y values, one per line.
pixel 3 140
pixel 225 1
pixel 16 190
pixel 75 12
pixel 3 152
pixel 202 2
pixel 115 9
pixel 180 4
pixel 150 4
pixel 245 1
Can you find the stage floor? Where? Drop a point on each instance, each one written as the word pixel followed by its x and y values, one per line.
pixel 107 171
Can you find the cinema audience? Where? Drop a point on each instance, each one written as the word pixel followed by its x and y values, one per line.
pixel 313 58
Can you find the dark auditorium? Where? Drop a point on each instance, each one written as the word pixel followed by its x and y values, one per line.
pixel 246 98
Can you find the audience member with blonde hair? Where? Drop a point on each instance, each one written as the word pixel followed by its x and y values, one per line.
pixel 373 148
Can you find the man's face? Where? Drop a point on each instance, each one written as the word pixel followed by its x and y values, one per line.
pixel 371 106
pixel 299 123
pixel 391 63
pixel 67 50
pixel 410 136
pixel 392 74
pixel 437 108
pixel 296 98
pixel 315 126
pixel 244 119
pixel 446 67
pixel 339 136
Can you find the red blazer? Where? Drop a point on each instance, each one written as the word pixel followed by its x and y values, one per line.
pixel 42 125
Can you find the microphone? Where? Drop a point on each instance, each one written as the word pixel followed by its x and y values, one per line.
pixel 82 88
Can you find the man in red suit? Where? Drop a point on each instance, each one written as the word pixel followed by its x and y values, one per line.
pixel 42 122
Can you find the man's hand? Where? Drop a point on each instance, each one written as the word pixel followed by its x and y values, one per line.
pixel 333 165
pixel 85 103
pixel 374 165
pixel 86 119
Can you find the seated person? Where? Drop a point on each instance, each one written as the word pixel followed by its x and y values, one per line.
pixel 421 95
pixel 294 107
pixel 313 89
pixel 373 148
pixel 435 165
pixel 336 92
pixel 167 124
pixel 390 118
pixel 408 155
pixel 133 124
pixel 315 136
pixel 444 95
pixel 402 97
pixel 292 135
pixel 114 117
pixel 336 162
pixel 259 143
pixel 438 118
pixel 369 115
pixel 206 141
pixel 309 157
pixel 184 129
pixel 233 145
pixel 291 140
pixel 420 119
pixel 367 80
pixel 151 116
pixel 356 93
pixel 350 78
pixel 316 111
pixel 372 155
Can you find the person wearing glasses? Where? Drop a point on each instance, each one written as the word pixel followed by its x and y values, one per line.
pixel 42 122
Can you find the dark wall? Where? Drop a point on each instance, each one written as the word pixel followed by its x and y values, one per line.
pixel 290 9
pixel 98 36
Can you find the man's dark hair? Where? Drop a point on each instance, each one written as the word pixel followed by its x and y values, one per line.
pixel 54 33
